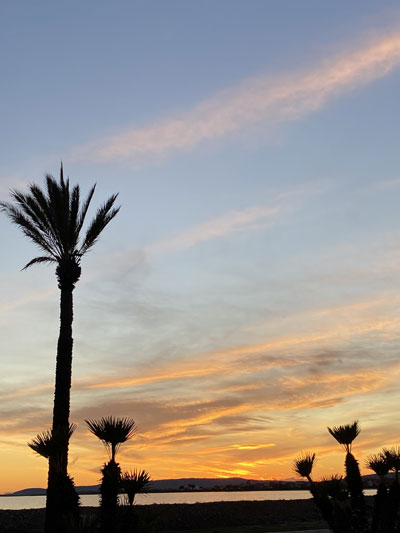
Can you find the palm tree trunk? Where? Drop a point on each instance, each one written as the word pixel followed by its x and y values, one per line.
pixel 55 502
pixel 109 490
pixel 62 388
pixel 354 482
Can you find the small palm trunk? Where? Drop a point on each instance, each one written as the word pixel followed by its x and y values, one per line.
pixel 109 490
pixel 354 482
pixel 380 502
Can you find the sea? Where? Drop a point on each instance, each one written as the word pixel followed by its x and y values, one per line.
pixel 92 500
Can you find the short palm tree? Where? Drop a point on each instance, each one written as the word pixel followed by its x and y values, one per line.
pixel 61 495
pixel 392 456
pixel 113 432
pixel 380 465
pixel 134 482
pixel 303 465
pixel 345 436
pixel 53 219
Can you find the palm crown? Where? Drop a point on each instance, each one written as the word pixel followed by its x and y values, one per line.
pixel 112 431
pixel 53 220
pixel 303 465
pixel 345 434
pixel 378 463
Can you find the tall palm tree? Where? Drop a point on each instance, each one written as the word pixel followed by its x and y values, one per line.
pixel 53 219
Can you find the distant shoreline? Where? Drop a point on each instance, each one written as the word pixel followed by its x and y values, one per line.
pixel 172 491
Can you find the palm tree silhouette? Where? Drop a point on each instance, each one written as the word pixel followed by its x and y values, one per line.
pixel 345 436
pixel 53 219
pixel 61 495
pixel 134 483
pixel 113 432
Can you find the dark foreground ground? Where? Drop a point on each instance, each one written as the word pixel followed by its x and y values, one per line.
pixel 216 517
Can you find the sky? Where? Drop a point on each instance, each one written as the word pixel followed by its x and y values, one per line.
pixel 247 294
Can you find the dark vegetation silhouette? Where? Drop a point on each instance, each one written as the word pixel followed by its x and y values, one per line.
pixel 132 483
pixel 345 436
pixel 341 500
pixel 61 493
pixel 113 432
pixel 53 219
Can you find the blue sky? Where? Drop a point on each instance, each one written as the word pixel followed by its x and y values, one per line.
pixel 246 295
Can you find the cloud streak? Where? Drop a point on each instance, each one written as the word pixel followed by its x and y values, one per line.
pixel 262 99
pixel 232 222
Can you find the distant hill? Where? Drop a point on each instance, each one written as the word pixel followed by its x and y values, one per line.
pixel 27 492
pixel 158 485
pixel 199 483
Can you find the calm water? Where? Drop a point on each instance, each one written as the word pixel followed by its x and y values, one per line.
pixel 92 500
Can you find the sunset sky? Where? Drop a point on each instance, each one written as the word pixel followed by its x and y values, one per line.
pixel 248 293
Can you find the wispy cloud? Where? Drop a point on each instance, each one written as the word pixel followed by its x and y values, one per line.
pixel 234 221
pixel 260 99
pixel 255 217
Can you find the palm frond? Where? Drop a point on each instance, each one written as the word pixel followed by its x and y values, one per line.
pixel 73 236
pixel 103 216
pixel 84 209
pixel 28 228
pixel 33 209
pixel 50 443
pixel 345 434
pixel 43 259
pixel 303 464
pixel 42 444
